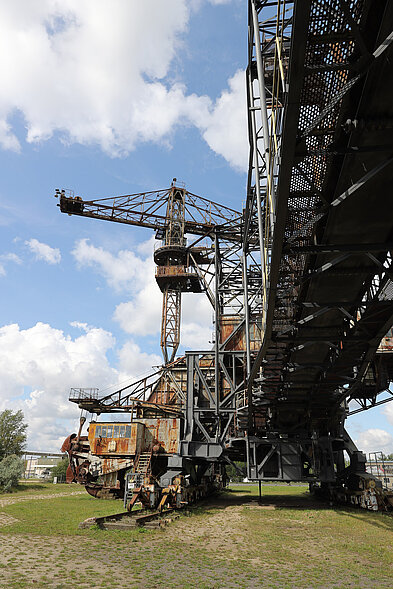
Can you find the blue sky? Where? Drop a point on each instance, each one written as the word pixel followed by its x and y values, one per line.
pixel 109 97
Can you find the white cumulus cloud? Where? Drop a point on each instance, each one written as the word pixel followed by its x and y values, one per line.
pixel 44 252
pixel 132 360
pixel 224 125
pixel 388 411
pixel 142 314
pixel 10 257
pixel 133 272
pixel 7 138
pixel 39 365
pixel 99 72
pixel 375 440
pixel 122 270
pixel 197 319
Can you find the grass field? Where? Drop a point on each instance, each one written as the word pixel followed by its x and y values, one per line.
pixel 230 541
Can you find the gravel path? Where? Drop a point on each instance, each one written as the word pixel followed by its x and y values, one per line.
pixel 16 499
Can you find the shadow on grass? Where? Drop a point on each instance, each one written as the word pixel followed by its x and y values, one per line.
pixel 23 487
pixel 302 502
pixel 233 498
pixel 371 518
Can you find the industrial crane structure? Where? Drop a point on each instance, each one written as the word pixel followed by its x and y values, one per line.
pixel 300 282
pixel 173 214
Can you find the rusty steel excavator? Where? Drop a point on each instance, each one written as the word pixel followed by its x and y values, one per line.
pixel 300 281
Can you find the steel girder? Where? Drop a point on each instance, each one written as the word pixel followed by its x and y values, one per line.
pixel 311 65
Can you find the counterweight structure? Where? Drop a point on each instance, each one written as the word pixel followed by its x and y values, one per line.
pixel 301 282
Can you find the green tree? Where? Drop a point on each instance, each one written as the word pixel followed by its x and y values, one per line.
pixel 60 470
pixel 11 469
pixel 236 471
pixel 12 433
pixel 387 456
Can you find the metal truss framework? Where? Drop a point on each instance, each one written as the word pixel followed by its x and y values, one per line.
pixel 174 214
pixel 208 386
pixel 170 326
pixel 301 294
pixel 149 209
pixel 325 299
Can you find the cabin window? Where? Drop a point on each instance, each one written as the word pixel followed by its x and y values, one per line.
pixel 116 431
pixel 109 431
pixel 103 431
pixel 122 431
pixel 98 431
pixel 128 431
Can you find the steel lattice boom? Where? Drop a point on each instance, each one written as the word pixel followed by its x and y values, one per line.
pixel 149 209
pixel 173 213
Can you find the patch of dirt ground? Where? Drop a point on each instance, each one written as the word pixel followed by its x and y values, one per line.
pixel 213 548
pixel 6 520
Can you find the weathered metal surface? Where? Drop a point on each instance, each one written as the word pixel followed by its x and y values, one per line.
pixel 233 332
pixel 103 492
pixel 101 463
pixel 171 387
pixel 164 271
pixel 114 464
pixel 66 446
pixel 161 435
pixel 115 439
pixel 228 325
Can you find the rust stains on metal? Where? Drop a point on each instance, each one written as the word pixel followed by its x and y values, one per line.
pixel 232 331
pixel 161 433
pixel 115 439
pixel 66 447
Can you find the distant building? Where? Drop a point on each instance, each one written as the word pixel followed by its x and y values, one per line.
pixel 39 465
